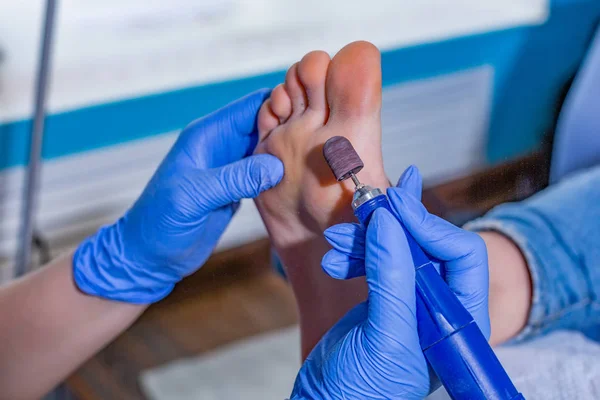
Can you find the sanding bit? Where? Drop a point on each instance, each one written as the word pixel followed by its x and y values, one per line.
pixel 345 163
pixel 342 158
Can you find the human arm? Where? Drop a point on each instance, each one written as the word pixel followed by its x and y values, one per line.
pixel 54 319
pixel 49 327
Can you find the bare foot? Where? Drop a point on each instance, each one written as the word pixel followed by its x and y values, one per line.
pixel 320 98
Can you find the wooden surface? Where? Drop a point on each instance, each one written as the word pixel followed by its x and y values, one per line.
pixel 237 294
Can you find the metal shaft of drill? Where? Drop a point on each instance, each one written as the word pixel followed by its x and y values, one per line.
pixel 355 180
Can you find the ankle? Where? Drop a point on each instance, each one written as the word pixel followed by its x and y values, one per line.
pixel 510 287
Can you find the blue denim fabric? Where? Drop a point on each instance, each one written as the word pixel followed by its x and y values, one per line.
pixel 558 232
pixel 577 142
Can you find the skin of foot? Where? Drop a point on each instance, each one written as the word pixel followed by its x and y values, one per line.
pixel 321 98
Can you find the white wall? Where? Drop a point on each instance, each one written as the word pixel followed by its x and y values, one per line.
pixel 112 49
pixel 109 49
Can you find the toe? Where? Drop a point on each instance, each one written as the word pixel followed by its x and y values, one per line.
pixel 295 90
pixel 354 81
pixel 281 104
pixel 267 120
pixel 312 72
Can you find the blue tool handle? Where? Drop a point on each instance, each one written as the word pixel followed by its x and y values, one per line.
pixel 450 339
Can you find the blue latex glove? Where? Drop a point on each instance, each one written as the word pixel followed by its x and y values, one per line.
pixel 374 352
pixel 459 255
pixel 175 224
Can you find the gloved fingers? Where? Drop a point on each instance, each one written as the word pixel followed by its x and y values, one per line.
pixel 244 115
pixel 346 260
pixel 390 276
pixel 339 265
pixel 355 316
pixel 464 253
pixel 438 237
pixel 238 119
pixel 470 283
pixel 412 181
pixel 243 179
pixel 226 135
pixel 217 220
pixel 347 238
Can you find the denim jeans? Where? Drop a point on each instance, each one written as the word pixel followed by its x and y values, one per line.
pixel 558 232
pixel 577 142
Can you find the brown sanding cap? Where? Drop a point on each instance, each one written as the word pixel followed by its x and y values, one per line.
pixel 341 157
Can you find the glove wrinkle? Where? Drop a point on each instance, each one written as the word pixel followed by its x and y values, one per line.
pixel 175 224
pixel 374 351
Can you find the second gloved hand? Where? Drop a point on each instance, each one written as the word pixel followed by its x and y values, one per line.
pixel 373 352
pixel 460 255
pixel 175 224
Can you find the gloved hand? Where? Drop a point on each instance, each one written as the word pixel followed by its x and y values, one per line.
pixel 374 351
pixel 459 255
pixel 175 224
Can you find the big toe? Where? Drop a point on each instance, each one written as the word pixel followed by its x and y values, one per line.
pixel 354 81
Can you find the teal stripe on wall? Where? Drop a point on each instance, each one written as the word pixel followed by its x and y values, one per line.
pixel 531 66
pixel 107 124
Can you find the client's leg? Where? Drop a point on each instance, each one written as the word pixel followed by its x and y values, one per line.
pixel 510 287
pixel 320 98
pixel 543 258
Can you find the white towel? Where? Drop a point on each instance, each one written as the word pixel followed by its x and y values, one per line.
pixel 561 366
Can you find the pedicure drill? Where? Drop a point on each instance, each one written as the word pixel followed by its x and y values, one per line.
pixel 450 339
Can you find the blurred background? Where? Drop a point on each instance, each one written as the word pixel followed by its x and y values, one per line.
pixel 472 90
